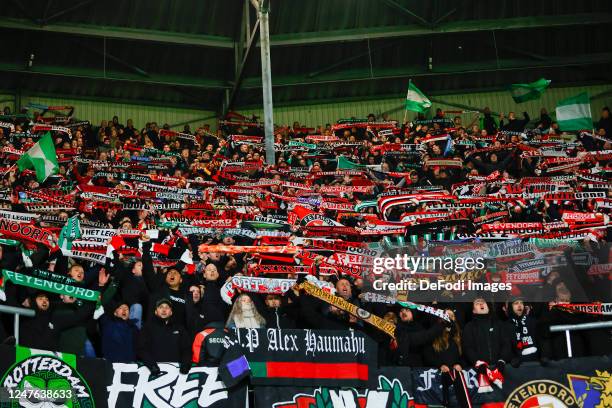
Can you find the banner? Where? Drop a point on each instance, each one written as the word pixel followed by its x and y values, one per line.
pixel 131 385
pixel 308 357
pixel 571 383
pixel 71 381
pixel 80 382
pixel 389 387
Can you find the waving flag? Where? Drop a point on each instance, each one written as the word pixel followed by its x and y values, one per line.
pixel 416 100
pixel 41 157
pixel 575 113
pixel 527 92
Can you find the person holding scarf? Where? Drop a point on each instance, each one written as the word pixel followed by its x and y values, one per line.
pixel 486 345
pixel 522 327
pixel 444 353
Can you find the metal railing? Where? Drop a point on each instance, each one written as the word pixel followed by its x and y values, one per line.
pixel 17 311
pixel 567 328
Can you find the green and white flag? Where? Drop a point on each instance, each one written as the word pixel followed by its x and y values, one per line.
pixel 575 113
pixel 41 157
pixel 70 232
pixel 416 100
pixel 528 92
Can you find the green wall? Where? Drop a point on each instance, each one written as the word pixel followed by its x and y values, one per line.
pixel 96 111
pixel 320 114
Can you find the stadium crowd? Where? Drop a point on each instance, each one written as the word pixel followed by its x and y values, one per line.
pixel 191 212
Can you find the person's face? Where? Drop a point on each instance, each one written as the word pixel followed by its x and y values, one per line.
pixel 406 315
pixel 137 269
pixel 211 273
pixel 196 294
pixel 245 302
pixel 511 115
pixel 343 288
pixel 493 158
pixel 228 241
pixel 77 273
pixel 563 293
pixel 42 302
pixel 67 299
pixel 518 307
pixel 122 312
pixel 163 311
pixel 480 307
pixel 173 278
pixel 605 114
pixel 273 302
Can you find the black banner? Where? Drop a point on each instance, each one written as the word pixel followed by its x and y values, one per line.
pixel 578 375
pixel 308 357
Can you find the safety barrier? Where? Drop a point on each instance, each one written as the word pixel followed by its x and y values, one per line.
pixel 583 326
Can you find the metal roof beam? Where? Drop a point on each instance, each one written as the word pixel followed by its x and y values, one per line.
pixel 121 33
pixel 243 57
pixel 98 74
pixel 467 26
pixel 449 69
pixel 405 10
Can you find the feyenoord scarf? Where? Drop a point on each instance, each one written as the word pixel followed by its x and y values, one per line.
pixel 26 232
pixel 49 282
pixel 340 303
pixel 601 309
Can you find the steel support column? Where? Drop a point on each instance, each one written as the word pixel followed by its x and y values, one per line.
pixel 263 12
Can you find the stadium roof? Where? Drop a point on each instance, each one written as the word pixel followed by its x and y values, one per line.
pixel 191 52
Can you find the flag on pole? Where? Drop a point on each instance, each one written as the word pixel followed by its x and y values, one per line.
pixel 527 92
pixel 41 157
pixel 416 100
pixel 575 113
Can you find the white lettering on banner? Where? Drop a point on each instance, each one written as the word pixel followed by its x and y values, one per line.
pixel 170 390
pixel 277 341
pixel 428 376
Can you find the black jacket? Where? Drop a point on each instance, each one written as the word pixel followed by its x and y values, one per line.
pixel 523 332
pixel 410 341
pixel 278 318
pixel 212 307
pixel 163 341
pixel 448 357
pixel 488 123
pixel 61 328
pixel 485 338
pixel 158 289
pixel 515 125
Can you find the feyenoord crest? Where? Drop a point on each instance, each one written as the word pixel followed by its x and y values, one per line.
pixel 541 393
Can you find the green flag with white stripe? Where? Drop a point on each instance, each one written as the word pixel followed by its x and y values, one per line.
pixel 575 113
pixel 41 157
pixel 416 100
pixel 528 92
